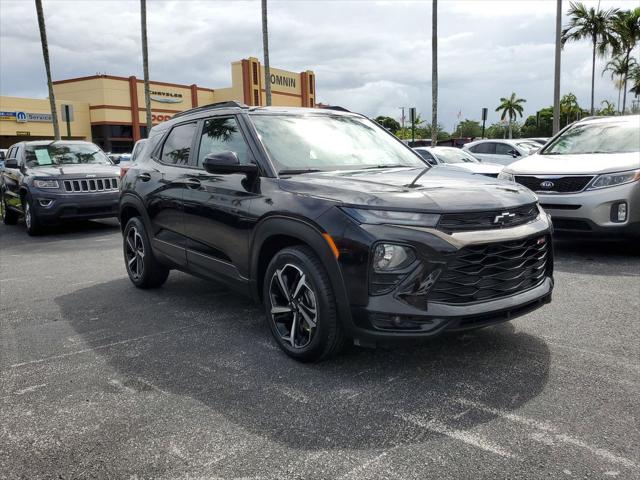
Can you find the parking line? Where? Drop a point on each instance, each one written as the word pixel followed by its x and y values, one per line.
pixel 113 344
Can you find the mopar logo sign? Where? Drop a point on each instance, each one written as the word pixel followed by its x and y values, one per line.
pixel 21 117
pixel 547 184
pixel 503 218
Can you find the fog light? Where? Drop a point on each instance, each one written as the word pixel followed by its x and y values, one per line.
pixel 45 203
pixel 619 212
pixel 388 257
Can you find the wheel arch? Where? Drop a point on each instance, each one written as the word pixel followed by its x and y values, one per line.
pixel 275 233
pixel 131 206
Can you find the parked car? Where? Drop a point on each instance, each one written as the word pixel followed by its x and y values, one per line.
pixel 539 140
pixel 3 154
pixel 503 152
pixel 336 226
pixel 48 182
pixel 588 176
pixel 458 158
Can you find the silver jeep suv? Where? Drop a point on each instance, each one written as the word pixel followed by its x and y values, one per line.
pixel 588 176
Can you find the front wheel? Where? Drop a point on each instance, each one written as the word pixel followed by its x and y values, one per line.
pixel 9 217
pixel 300 305
pixel 31 220
pixel 143 268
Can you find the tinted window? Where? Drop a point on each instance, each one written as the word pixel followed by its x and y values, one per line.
pixel 177 147
pixel 222 135
pixel 486 147
pixel 503 149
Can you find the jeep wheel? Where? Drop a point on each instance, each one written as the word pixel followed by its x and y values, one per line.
pixel 300 306
pixel 31 220
pixel 143 268
pixel 9 217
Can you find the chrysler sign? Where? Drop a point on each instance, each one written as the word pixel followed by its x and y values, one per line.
pixel 165 97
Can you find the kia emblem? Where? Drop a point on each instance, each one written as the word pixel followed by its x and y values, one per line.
pixel 547 184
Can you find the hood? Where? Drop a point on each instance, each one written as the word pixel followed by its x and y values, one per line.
pixel 439 189
pixel 583 164
pixel 482 168
pixel 75 171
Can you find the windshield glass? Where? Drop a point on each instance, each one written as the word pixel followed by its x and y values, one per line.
pixel 614 137
pixel 330 142
pixel 454 155
pixel 64 154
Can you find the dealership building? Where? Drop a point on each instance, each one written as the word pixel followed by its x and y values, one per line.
pixel 110 110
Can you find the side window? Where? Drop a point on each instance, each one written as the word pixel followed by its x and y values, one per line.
pixel 177 146
pixel 223 135
pixel 427 156
pixel 12 152
pixel 503 149
pixel 17 153
pixel 486 147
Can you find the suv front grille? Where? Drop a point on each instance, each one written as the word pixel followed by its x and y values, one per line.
pixel 486 272
pixel 88 185
pixel 507 217
pixel 554 185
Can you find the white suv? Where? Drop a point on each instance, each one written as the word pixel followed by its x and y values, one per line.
pixel 588 176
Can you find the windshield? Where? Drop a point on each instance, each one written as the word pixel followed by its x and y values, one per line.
pixel 454 155
pixel 614 137
pixel 64 154
pixel 330 142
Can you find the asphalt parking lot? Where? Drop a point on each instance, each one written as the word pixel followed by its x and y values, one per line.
pixel 98 379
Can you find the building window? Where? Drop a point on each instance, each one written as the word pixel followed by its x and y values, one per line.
pixel 256 97
pixel 255 73
pixel 311 82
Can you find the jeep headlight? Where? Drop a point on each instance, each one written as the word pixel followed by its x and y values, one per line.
pixel 392 217
pixel 613 179
pixel 46 183
pixel 508 176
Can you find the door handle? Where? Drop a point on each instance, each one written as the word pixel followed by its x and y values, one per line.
pixel 193 183
pixel 145 177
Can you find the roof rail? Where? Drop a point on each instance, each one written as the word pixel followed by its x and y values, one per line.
pixel 212 106
pixel 334 107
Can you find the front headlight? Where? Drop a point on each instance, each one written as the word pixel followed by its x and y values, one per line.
pixel 46 183
pixel 388 256
pixel 380 217
pixel 613 179
pixel 506 176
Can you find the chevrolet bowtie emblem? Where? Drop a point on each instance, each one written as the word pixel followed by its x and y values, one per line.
pixel 503 217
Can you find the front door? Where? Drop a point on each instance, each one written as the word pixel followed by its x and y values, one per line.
pixel 217 207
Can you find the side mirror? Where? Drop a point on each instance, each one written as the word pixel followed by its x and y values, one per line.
pixel 11 163
pixel 227 162
pixel 115 160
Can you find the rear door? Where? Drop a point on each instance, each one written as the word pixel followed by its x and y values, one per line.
pixel 217 207
pixel 162 182
pixel 485 151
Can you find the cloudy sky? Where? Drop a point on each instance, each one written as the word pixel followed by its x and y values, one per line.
pixel 370 56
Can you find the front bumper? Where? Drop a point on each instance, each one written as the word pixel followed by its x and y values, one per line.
pixel 53 207
pixel 391 316
pixel 590 212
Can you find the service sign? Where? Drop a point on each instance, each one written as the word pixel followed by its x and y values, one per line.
pixel 39 117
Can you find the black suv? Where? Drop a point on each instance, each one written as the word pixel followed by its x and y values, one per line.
pixel 52 181
pixel 337 227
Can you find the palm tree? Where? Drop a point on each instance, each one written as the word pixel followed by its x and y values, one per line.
pixel 626 30
pixel 569 106
pixel 511 107
pixel 145 63
pixel 635 78
pixel 608 108
pixel 594 24
pixel 265 47
pixel 434 72
pixel 47 67
pixel 619 67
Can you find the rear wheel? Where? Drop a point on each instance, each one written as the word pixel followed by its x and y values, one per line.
pixel 143 268
pixel 31 220
pixel 9 217
pixel 300 305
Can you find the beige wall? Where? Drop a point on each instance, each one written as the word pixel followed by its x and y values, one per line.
pixel 80 127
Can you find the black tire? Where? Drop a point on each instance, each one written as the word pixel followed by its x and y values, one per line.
pixel 143 268
pixel 31 220
pixel 9 217
pixel 299 267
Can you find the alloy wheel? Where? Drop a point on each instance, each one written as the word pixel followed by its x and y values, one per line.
pixel 135 253
pixel 294 311
pixel 27 214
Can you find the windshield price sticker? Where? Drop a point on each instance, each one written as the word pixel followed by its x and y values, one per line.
pixel 42 155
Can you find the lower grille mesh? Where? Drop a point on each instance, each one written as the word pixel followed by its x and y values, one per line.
pixel 485 272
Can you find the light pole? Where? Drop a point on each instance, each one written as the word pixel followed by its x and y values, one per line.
pixel 556 79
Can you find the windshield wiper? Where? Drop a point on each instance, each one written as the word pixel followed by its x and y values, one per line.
pixel 299 171
pixel 391 165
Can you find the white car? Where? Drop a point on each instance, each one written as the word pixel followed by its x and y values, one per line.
pixel 458 159
pixel 503 152
pixel 588 176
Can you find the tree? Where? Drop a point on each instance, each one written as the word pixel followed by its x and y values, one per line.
pixel 569 107
pixel 389 123
pixel 626 35
pixel 608 108
pixel 434 72
pixel 635 78
pixel 540 124
pixel 467 129
pixel 620 67
pixel 47 67
pixel 145 63
pixel 265 48
pixel 510 107
pixel 594 24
